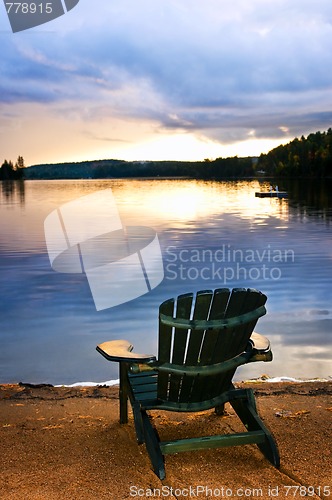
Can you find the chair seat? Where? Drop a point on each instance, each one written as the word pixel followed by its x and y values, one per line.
pixel 144 387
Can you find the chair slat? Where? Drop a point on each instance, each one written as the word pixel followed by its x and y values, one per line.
pixel 218 307
pixel 201 312
pixel 164 346
pixel 234 340
pixel 183 310
pixel 206 387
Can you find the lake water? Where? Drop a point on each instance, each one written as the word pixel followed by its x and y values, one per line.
pixel 212 235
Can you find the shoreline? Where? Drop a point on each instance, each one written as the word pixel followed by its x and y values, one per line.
pixel 261 386
pixel 115 382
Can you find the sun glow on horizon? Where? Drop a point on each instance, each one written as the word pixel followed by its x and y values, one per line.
pixel 53 137
pixel 178 147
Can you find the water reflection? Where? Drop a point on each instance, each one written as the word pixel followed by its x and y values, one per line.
pixel 183 202
pixel 212 234
pixel 12 192
pixel 312 198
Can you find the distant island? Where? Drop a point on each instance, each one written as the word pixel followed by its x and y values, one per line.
pixel 301 158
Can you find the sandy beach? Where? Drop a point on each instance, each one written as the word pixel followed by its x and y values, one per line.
pixel 66 443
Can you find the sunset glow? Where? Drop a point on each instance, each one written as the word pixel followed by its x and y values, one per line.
pixel 152 80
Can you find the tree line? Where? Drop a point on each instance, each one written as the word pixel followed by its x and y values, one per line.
pixel 11 171
pixel 305 157
pixel 300 158
pixel 220 168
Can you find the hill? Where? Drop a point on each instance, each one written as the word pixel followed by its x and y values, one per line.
pixel 305 157
pixel 106 169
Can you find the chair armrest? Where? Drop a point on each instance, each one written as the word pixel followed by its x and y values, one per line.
pixel 121 350
pixel 261 348
pixel 260 343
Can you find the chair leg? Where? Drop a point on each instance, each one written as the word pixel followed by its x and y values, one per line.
pixel 138 421
pixel 123 393
pixel 270 450
pixel 152 446
pixel 220 410
pixel 246 410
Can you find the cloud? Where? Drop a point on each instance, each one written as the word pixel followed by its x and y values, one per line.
pixel 225 71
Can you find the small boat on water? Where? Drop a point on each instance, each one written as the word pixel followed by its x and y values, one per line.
pixel 272 194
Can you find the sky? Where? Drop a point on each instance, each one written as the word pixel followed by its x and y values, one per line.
pixel 165 80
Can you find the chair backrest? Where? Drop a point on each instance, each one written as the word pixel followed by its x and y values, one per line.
pixel 202 329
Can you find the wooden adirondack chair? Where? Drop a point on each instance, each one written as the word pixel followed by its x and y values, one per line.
pixel 203 338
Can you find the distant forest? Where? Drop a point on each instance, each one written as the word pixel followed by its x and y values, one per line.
pixel 300 158
pixel 107 169
pixel 305 157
